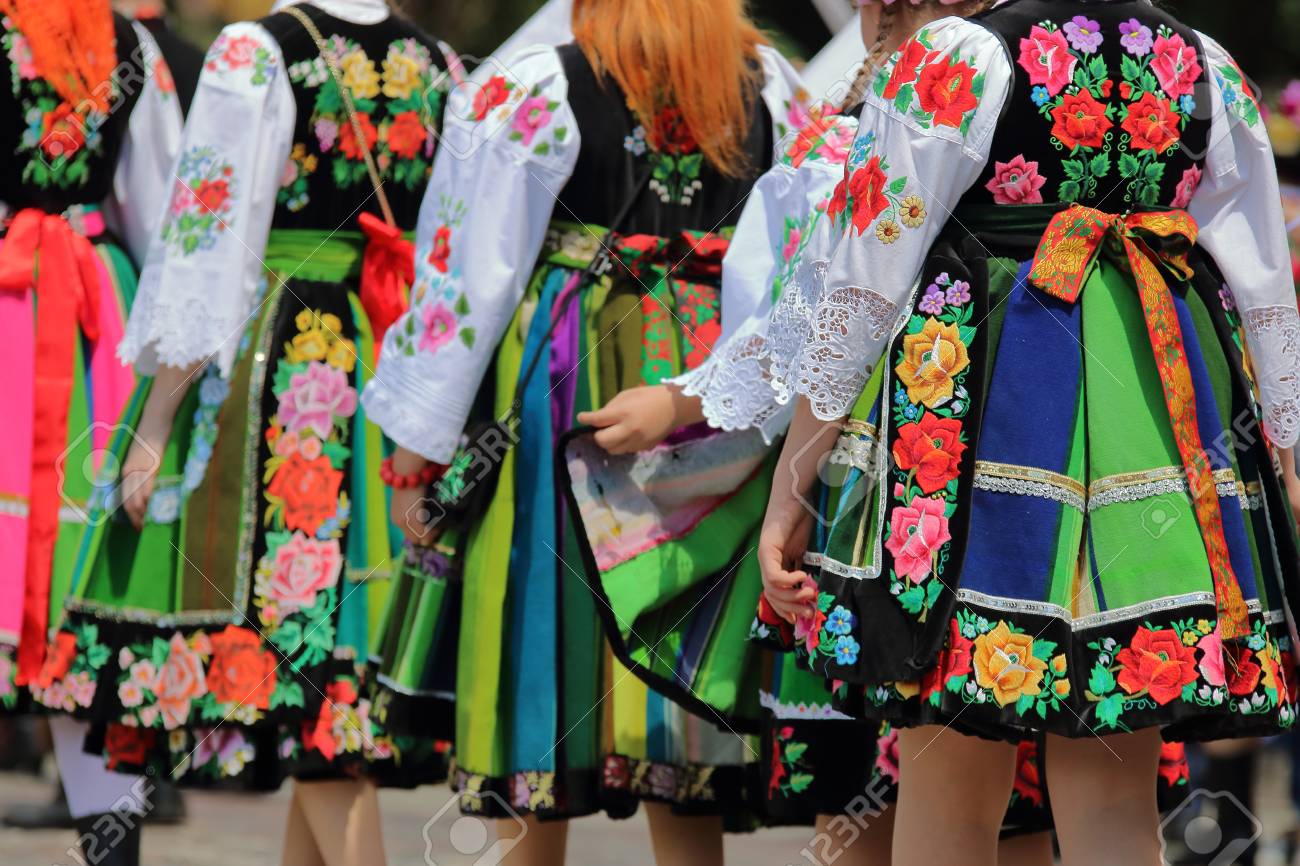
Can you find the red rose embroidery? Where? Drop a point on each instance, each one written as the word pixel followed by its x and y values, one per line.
pixel 904 72
pixel 241 672
pixel 1243 672
pixel 1173 763
pixel 671 134
pixel 839 199
pixel 309 489
pixel 490 95
pixel 1158 663
pixel 125 744
pixel 212 195
pixel 441 249
pixel 406 135
pixel 348 138
pixel 944 89
pixel 867 192
pixel 932 449
pixel 954 661
pixel 63 132
pixel 1153 123
pixel 1080 121
pixel 58 660
pixel 1027 783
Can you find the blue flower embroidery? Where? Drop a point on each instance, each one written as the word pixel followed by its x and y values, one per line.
pixel 840 621
pixel 1040 95
pixel 846 650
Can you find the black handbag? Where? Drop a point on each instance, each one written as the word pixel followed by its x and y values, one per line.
pixel 462 494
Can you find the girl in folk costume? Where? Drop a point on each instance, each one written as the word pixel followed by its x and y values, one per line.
pixel 219 618
pixel 92 131
pixel 654 123
pixel 818 759
pixel 1082 538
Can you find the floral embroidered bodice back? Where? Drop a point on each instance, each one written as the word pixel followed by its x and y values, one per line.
pixel 397 79
pixel 686 191
pixel 1103 109
pixel 61 154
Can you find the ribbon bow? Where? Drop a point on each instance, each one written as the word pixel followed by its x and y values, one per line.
pixel 1152 244
pixel 42 251
pixel 387 271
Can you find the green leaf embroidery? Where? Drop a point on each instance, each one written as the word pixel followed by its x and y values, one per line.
pixel 898 186
pixel 1110 709
pixel 1101 681
pixel 1129 165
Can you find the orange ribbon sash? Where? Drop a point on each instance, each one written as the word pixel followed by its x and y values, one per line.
pixel 1151 243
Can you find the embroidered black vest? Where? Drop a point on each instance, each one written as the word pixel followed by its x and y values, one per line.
pixel 397 77
pixel 1109 107
pixel 685 191
pixel 61 157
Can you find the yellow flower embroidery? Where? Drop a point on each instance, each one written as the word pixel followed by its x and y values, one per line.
pixel 1005 664
pixel 930 360
pixel 888 231
pixel 311 345
pixel 908 689
pixel 1058 663
pixel 343 355
pixel 1062 688
pixel 401 75
pixel 359 75
pixel 912 209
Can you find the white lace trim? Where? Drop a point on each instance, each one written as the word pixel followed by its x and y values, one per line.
pixel 844 337
pixel 735 388
pixel 1274 336
pixel 801 710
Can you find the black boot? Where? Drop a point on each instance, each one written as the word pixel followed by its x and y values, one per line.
pixel 40 816
pixel 167 805
pixel 110 839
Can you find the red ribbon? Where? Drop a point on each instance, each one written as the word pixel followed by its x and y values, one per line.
pixel 387 271
pixel 42 251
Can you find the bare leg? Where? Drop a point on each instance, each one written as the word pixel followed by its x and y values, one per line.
pixel 299 844
pixel 1032 849
pixel 542 844
pixel 344 820
pixel 952 797
pixel 869 847
pixel 684 841
pixel 1105 783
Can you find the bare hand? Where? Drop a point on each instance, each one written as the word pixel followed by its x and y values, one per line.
pixel 781 546
pixel 639 418
pixel 413 516
pixel 139 472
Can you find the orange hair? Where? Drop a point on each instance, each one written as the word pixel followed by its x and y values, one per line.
pixel 73 46
pixel 688 69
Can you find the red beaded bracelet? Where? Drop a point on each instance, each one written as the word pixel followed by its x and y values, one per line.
pixel 423 478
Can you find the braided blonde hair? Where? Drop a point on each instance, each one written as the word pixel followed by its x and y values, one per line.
pixel 897 21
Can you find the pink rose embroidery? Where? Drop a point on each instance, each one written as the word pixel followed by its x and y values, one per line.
pixel 314 397
pixel 531 116
pixel 1187 187
pixel 20 55
pixel 915 533
pixel 887 755
pixel 239 51
pixel 792 245
pixel 304 567
pixel 439 327
pixel 1175 65
pixel 1046 57
pixel 1016 182
pixel 180 680
pixel 1211 664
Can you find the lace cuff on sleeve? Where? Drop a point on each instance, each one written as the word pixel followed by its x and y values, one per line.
pixel 1273 334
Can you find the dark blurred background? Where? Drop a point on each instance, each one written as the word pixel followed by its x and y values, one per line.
pixel 1263 35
